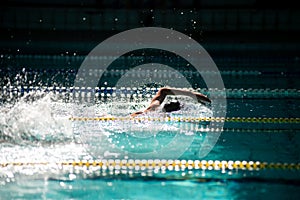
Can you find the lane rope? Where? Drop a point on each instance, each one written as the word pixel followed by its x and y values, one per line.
pixel 193 119
pixel 195 128
pixel 134 72
pixel 127 92
pixel 44 60
pixel 171 165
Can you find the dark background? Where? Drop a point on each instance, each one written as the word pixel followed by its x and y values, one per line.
pixel 222 27
pixel 258 38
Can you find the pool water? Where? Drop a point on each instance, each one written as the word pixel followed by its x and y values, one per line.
pixel 100 188
pixel 40 145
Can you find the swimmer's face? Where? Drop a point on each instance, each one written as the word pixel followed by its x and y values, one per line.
pixel 172 106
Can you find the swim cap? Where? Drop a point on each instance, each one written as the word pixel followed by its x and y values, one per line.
pixel 172 106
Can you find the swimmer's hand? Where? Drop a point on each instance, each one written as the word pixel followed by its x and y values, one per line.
pixel 136 113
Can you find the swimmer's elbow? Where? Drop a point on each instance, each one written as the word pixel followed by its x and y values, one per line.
pixel 164 91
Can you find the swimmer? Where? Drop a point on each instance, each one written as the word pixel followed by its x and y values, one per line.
pixel 173 106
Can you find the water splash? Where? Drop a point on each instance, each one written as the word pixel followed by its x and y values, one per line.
pixel 35 118
pixel 40 119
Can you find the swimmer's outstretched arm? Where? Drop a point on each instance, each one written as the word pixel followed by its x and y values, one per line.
pixel 162 94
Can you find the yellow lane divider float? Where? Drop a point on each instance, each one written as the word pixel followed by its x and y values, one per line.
pixel 156 164
pixel 193 119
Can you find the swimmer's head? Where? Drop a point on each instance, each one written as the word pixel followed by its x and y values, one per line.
pixel 172 106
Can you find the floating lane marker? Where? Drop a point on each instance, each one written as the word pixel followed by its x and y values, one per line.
pixel 193 119
pixel 171 165
pixel 150 92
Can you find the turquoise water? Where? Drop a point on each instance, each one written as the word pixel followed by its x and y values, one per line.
pixel 35 127
pixel 147 189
